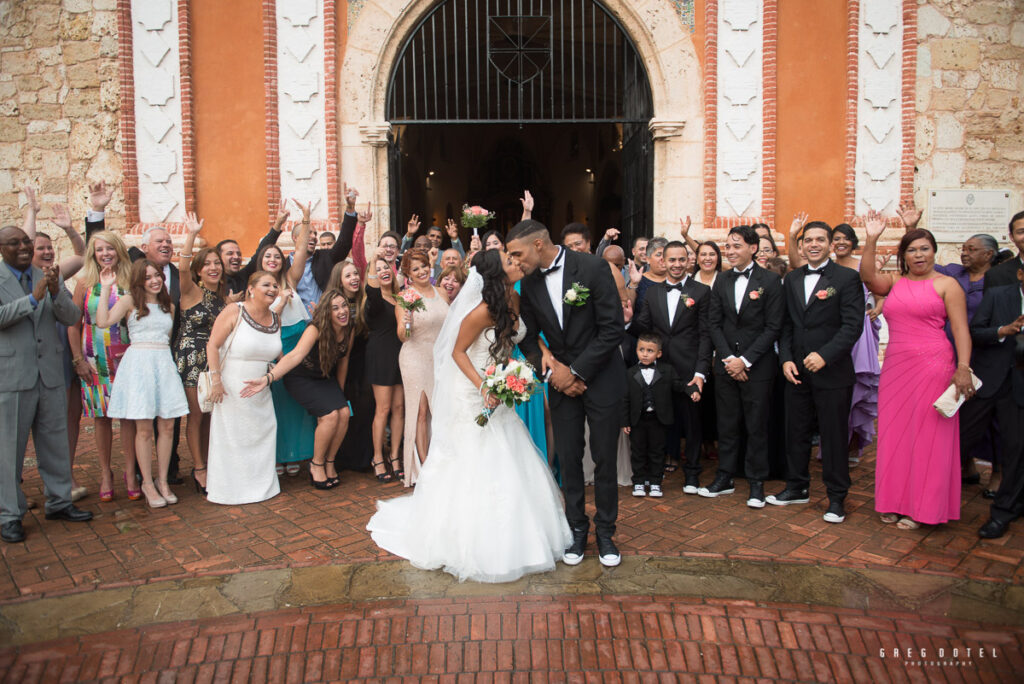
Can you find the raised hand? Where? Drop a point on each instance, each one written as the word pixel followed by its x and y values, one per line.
pixel 366 216
pixel 799 219
pixel 100 196
pixel 305 209
pixel 413 226
pixel 527 202
pixel 910 215
pixel 107 277
pixel 351 194
pixel 62 217
pixel 452 229
pixel 611 235
pixel 282 214
pixel 874 225
pixel 192 223
pixel 432 254
pixel 684 226
pixel 31 203
pixel 474 244
pixel 635 274
pixel 41 285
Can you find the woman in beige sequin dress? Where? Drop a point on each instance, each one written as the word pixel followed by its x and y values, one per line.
pixel 416 359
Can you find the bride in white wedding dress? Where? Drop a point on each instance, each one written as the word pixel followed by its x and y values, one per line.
pixel 485 507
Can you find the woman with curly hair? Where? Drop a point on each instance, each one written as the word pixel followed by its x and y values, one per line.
pixel 314 373
pixel 486 507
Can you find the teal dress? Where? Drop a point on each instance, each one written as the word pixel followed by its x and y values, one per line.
pixel 532 412
pixel 295 426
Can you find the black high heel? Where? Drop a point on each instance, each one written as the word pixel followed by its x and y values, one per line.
pixel 385 476
pixel 318 484
pixel 200 489
pixel 399 472
pixel 332 481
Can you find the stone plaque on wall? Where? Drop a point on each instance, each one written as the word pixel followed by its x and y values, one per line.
pixel 955 215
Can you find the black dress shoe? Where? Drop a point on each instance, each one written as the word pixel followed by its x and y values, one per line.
pixel 607 553
pixel 574 554
pixel 72 514
pixel 722 485
pixel 789 496
pixel 12 532
pixel 993 529
pixel 756 498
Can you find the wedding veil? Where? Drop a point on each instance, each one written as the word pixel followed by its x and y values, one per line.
pixel 443 402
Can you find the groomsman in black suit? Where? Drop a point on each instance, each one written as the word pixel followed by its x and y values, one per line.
pixel 824 318
pixel 995 331
pixel 677 310
pixel 747 309
pixel 1006 272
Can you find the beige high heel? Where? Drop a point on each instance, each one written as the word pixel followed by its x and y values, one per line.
pixel 165 491
pixel 155 501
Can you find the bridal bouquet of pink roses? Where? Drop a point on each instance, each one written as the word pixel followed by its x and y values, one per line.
pixel 512 383
pixel 475 217
pixel 410 300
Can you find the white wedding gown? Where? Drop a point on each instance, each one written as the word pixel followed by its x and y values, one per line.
pixel 485 507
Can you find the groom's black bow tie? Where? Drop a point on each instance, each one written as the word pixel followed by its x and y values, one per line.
pixel 548 271
pixel 555 265
pixel 744 274
pixel 677 286
pixel 815 271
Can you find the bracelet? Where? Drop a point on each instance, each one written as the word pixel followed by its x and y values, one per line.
pixel 272 377
pixel 76 360
pixel 305 223
pixel 215 372
pixel 964 365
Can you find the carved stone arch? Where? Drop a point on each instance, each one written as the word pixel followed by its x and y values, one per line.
pixel 375 40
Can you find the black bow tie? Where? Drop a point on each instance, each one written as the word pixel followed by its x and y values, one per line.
pixel 815 271
pixel 677 286
pixel 744 274
pixel 647 366
pixel 547 271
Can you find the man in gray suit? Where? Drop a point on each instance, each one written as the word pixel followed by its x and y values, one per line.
pixel 32 394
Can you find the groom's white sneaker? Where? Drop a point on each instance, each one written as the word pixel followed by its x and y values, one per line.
pixel 574 554
pixel 607 553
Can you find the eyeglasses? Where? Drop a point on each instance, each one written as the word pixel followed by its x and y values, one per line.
pixel 766 250
pixel 17 241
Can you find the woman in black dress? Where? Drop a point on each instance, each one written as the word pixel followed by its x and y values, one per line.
pixel 377 316
pixel 314 373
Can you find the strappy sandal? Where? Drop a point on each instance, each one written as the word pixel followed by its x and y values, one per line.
pixel 907 523
pixel 399 471
pixel 888 518
pixel 385 476
pixel 332 481
pixel 319 484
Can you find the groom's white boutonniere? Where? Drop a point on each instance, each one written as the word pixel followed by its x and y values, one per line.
pixel 577 295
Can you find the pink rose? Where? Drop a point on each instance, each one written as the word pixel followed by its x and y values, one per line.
pixel 411 296
pixel 478 210
pixel 821 294
pixel 690 302
pixel 490 369
pixel 755 295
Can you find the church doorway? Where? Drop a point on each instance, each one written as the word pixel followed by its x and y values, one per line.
pixel 491 97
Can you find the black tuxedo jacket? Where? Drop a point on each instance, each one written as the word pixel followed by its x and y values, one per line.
pixel 1003 274
pixel 993 360
pixel 686 340
pixel 830 325
pixel 753 331
pixel 174 288
pixel 664 384
pixel 589 338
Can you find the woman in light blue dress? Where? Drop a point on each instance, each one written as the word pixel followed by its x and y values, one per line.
pixel 147 384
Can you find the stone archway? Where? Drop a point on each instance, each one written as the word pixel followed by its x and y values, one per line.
pixel 668 53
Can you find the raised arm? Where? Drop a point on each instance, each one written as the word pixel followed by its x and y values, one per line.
pixel 28 225
pixel 359 239
pixel 527 201
pixel 452 229
pixel 104 317
pixel 301 245
pixel 193 225
pixel 62 219
pixel 684 231
pixel 796 260
pixel 878 283
pixel 289 361
pixel 346 233
pixel 909 215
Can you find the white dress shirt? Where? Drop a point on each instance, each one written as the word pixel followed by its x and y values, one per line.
pixel 740 287
pixel 672 297
pixel 167 277
pixel 811 280
pixel 553 281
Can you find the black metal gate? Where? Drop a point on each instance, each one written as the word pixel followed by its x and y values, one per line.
pixel 528 62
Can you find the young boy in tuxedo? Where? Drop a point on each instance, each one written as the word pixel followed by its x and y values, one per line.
pixel 649 413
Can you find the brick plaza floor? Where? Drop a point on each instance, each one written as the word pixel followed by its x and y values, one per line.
pixel 707 587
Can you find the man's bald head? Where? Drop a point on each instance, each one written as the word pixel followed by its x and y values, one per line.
pixel 614 255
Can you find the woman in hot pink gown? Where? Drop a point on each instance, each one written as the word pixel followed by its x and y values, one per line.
pixel 917 476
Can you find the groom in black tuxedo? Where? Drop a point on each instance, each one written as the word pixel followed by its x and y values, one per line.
pixel 572 299
pixel 824 318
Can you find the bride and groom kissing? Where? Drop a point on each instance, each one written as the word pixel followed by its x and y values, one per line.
pixel 486 506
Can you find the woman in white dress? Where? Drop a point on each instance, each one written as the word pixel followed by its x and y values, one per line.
pixel 485 506
pixel 147 384
pixel 243 432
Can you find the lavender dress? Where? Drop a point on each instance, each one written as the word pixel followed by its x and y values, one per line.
pixel 864 407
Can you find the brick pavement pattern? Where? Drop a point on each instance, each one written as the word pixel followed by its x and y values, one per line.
pixel 535 639
pixel 129 542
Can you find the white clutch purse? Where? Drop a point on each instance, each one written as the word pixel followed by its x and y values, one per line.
pixel 947 404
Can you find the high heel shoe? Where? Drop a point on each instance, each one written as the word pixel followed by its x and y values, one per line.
pixel 334 481
pixel 318 484
pixel 385 476
pixel 165 492
pixel 133 494
pixel 200 489
pixel 398 470
pixel 155 501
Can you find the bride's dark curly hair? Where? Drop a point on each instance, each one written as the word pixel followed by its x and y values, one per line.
pixel 499 306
